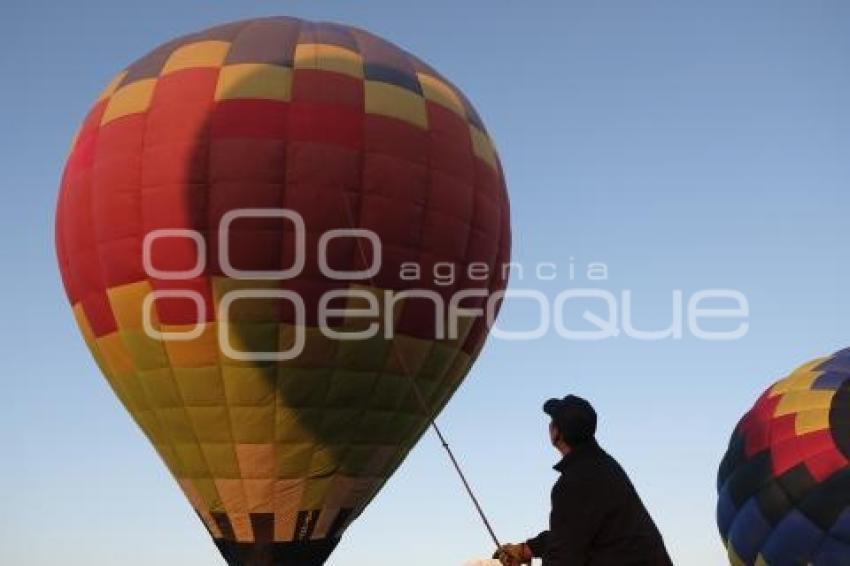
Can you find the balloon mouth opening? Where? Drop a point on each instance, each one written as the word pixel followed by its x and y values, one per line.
pixel 293 553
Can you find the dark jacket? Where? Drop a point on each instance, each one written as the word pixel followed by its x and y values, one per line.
pixel 597 517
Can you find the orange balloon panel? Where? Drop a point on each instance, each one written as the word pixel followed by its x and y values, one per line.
pixel 173 280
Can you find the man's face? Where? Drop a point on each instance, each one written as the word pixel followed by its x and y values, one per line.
pixel 554 436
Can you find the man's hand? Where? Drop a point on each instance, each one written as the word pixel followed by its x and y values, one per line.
pixel 513 554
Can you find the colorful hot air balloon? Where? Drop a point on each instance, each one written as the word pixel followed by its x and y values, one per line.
pixel 784 482
pixel 198 207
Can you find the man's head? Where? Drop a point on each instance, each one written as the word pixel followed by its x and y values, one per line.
pixel 573 421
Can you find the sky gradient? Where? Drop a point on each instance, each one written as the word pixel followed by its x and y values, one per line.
pixel 686 145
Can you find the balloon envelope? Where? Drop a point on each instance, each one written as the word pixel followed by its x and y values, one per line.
pixel 179 264
pixel 784 483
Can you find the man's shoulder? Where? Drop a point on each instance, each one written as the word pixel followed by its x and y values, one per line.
pixel 597 468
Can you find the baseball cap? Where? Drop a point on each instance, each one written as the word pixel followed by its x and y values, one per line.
pixel 574 417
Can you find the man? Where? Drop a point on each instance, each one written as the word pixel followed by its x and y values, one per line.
pixel 597 517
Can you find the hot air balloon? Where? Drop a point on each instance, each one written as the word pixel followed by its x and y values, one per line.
pixel 784 483
pixel 233 198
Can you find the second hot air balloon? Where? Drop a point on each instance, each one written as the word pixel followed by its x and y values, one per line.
pixel 784 483
pixel 218 214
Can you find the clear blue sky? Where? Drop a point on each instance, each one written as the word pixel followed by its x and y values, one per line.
pixel 685 144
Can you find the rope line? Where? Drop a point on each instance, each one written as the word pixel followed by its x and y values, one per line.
pixel 432 421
